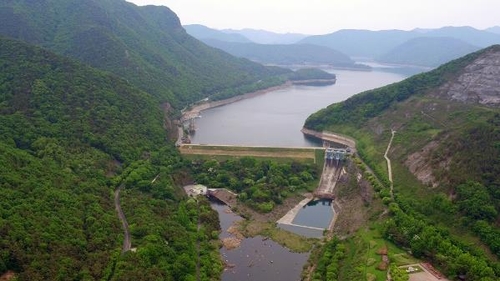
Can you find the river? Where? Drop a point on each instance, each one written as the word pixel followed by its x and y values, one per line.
pixel 276 118
pixel 257 258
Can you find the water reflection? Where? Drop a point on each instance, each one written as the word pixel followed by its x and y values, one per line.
pixel 257 258
pixel 276 118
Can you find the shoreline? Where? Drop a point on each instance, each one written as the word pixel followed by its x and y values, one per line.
pixel 195 110
pixel 329 136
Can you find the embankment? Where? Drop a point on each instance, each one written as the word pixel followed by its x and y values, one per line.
pixel 328 136
pixel 303 153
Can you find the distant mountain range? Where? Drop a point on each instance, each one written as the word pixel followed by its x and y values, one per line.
pixel 267 37
pixel 427 51
pixel 418 47
pixel 295 54
pixel 373 44
pixel 202 32
pixel 280 54
pixel 494 29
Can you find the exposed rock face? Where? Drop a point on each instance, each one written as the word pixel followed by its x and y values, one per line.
pixel 478 83
pixel 419 165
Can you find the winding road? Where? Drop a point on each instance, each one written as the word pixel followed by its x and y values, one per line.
pixel 127 241
pixel 389 167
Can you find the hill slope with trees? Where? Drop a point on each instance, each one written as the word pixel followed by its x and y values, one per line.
pixel 428 51
pixel 295 54
pixel 71 135
pixel 445 160
pixel 202 32
pixel 145 45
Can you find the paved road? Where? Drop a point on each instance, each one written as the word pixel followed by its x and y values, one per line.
pixel 127 242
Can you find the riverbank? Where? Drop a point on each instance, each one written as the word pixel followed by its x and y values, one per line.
pixel 264 224
pixel 195 110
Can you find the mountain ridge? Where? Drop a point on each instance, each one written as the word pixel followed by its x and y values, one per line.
pixel 146 45
pixel 376 43
pixel 427 51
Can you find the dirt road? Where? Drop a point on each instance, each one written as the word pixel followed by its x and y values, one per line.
pixel 127 242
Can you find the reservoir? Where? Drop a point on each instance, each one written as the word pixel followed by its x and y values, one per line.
pixel 276 118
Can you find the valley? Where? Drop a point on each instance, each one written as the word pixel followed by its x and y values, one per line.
pixel 337 156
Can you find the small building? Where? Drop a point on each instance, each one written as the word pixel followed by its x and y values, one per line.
pixel 195 190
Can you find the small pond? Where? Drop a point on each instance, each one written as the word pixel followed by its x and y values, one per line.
pixel 317 213
pixel 312 219
pixel 257 258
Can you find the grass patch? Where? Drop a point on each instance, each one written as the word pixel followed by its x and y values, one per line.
pixel 306 155
pixel 221 158
pixel 292 241
pixel 364 255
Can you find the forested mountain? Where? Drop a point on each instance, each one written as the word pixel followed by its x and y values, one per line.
pixel 267 37
pixel 300 54
pixel 202 32
pixel 480 38
pixel 494 29
pixel 445 160
pixel 428 51
pixel 69 136
pixel 373 44
pixel 361 43
pixel 146 45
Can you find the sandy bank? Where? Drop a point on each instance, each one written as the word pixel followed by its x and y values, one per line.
pixel 195 110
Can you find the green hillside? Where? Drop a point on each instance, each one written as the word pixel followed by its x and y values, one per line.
pixel 445 160
pixel 70 135
pixel 145 45
pixel 295 54
pixel 428 51
pixel 200 32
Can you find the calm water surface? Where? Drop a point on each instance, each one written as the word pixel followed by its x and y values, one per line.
pixel 276 118
pixel 257 259
pixel 317 213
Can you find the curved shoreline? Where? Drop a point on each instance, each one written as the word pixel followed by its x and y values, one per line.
pixel 195 110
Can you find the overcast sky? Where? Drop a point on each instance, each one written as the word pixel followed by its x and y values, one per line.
pixel 326 16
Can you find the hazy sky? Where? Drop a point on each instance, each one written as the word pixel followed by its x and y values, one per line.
pixel 326 16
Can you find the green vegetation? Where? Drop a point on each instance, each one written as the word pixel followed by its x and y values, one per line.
pixel 286 54
pixel 260 184
pixel 356 110
pixel 428 51
pixel 452 220
pixel 145 45
pixel 292 241
pixel 310 73
pixel 69 136
pixel 327 267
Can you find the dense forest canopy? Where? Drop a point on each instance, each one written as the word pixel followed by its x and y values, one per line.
pixel 70 135
pixel 145 45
